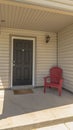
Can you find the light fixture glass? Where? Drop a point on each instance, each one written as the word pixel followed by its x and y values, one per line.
pixel 47 38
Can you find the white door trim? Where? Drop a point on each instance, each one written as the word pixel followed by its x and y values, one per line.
pixel 33 70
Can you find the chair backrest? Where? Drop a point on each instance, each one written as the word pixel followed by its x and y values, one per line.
pixel 55 74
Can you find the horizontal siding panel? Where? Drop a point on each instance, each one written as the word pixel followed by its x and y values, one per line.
pixel 4 64
pixel 70 78
pixel 68 83
pixel 4 72
pixel 47 65
pixel 4 45
pixel 4 82
pixel 47 59
pixel 65 66
pixel 69 55
pixel 4 79
pixel 3 51
pixel 68 69
pixel 45 50
pixel 67 62
pixel 4 86
pixel 4 58
pixel 70 73
pixel 66 51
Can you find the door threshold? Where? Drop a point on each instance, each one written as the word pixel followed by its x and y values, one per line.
pixel 21 87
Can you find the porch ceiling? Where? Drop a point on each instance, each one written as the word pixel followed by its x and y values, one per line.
pixel 24 16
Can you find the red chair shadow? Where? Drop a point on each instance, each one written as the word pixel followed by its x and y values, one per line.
pixel 54 79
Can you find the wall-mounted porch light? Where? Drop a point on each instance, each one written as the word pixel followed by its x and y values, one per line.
pixel 47 38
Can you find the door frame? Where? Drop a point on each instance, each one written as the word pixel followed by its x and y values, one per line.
pixel 33 64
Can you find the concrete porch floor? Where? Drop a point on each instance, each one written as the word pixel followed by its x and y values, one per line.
pixel 37 111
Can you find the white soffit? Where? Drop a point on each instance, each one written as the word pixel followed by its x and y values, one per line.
pixel 24 16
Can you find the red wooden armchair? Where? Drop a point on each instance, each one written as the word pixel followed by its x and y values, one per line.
pixel 54 80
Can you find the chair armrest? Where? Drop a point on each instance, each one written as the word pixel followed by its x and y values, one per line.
pixel 47 77
pixel 46 80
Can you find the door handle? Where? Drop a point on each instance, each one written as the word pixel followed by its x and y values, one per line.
pixel 13 64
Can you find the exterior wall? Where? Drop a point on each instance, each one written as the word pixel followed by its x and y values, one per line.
pixel 65 39
pixel 45 54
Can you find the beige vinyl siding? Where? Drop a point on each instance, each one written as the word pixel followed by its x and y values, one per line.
pixel 66 56
pixel 4 60
pixel 45 54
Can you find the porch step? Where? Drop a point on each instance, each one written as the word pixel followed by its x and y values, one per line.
pixel 63 124
pixel 40 119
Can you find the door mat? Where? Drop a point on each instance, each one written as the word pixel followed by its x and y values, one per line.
pixel 23 91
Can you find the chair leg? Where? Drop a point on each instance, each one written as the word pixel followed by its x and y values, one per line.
pixel 44 89
pixel 60 91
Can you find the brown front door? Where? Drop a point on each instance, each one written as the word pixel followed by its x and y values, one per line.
pixel 22 62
